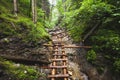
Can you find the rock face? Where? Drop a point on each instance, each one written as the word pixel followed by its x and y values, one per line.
pixel 74 71
pixel 16 48
pixel 91 70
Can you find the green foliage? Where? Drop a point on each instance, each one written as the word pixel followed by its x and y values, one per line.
pixel 76 18
pixel 22 26
pixel 82 15
pixel 37 32
pixel 24 7
pixel 117 65
pixel 60 7
pixel 20 72
pixel 100 69
pixel 7 29
pixel 41 15
pixel 108 42
pixel 108 38
pixel 91 56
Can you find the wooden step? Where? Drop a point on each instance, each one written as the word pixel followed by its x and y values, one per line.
pixel 58 50
pixel 58 45
pixel 58 66
pixel 58 76
pixel 59 59
pixel 59 54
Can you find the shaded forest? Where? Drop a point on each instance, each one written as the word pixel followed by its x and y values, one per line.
pixel 25 25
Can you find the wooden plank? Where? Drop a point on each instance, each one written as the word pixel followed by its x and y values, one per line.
pixel 59 76
pixel 59 54
pixel 58 59
pixel 73 46
pixel 69 46
pixel 58 45
pixel 58 66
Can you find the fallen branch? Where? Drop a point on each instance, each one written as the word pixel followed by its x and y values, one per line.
pixel 91 31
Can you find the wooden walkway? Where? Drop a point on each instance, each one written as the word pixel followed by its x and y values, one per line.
pixel 59 60
pixel 59 57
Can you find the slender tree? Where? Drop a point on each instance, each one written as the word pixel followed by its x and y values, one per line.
pixel 15 7
pixel 34 11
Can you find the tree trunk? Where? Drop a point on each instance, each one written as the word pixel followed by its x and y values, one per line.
pixel 15 7
pixel 34 11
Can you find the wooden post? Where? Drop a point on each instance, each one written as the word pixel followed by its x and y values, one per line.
pixel 54 63
pixel 65 71
pixel 53 71
pixel 64 63
pixel 65 79
pixel 63 52
pixel 52 78
pixel 56 52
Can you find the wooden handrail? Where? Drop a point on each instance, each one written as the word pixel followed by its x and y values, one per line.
pixel 72 46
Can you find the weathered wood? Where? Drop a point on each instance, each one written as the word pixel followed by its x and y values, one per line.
pixel 59 75
pixel 58 59
pixel 59 54
pixel 58 66
pixel 24 60
pixel 72 46
pixel 68 46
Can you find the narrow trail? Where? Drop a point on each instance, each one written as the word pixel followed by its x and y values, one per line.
pixel 63 66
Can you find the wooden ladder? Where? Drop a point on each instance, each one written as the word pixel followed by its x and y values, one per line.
pixel 59 58
pixel 59 62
